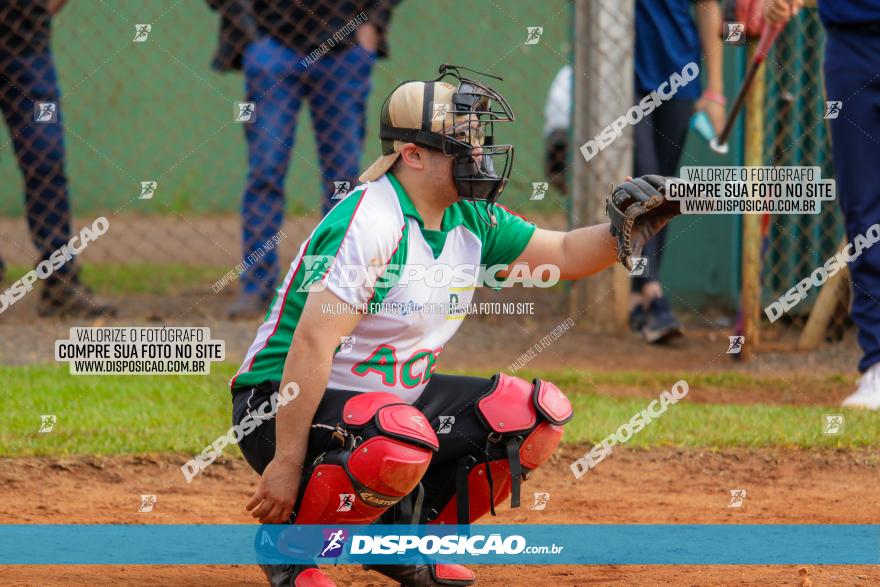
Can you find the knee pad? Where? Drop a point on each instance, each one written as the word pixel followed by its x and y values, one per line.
pixel 386 447
pixel 525 420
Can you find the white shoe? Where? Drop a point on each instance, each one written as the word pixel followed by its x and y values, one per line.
pixel 868 394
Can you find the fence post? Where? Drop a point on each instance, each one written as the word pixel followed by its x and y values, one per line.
pixel 750 295
pixel 603 91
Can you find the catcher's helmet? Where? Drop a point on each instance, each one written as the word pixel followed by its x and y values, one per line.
pixel 452 118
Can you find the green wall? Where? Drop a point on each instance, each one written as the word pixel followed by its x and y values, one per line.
pixel 701 261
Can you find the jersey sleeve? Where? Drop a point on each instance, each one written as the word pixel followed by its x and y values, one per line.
pixel 350 249
pixel 507 240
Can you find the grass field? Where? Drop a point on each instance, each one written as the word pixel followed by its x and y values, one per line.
pixel 139 278
pixel 133 415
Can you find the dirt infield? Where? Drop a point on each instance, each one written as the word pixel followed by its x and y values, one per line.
pixel 784 486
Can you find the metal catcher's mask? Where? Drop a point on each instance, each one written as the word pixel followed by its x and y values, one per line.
pixel 462 126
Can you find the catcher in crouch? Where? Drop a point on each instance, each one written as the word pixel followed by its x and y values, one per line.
pixel 358 444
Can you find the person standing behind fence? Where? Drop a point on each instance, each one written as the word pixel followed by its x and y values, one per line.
pixel 852 85
pixel 30 100
pixel 667 40
pixel 322 52
pixel 669 35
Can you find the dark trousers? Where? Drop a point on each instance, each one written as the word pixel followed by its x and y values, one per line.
pixel 27 79
pixel 658 142
pixel 277 80
pixel 852 64
pixel 445 395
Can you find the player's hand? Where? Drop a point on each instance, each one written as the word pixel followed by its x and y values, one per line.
pixel 714 110
pixel 367 37
pixel 781 11
pixel 275 496
pixel 54 6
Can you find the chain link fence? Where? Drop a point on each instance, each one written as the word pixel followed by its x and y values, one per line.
pixel 603 90
pixel 796 133
pixel 212 135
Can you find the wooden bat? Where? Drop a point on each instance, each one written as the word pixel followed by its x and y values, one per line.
pixel 768 37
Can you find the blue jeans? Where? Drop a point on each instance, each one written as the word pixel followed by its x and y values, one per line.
pixel 39 148
pixel 336 86
pixel 852 60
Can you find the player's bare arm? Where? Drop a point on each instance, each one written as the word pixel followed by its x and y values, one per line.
pixel 712 102
pixel 577 253
pixel 307 366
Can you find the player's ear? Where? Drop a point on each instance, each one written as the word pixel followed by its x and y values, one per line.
pixel 412 156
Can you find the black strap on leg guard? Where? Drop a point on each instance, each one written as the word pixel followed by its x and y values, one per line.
pixel 513 462
pixel 461 488
pixel 408 510
pixel 489 478
pixel 417 502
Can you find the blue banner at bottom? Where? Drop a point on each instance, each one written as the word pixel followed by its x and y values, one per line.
pixel 617 544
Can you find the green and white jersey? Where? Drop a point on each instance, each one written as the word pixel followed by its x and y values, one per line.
pixel 373 252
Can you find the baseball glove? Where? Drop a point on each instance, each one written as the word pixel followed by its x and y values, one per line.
pixel 638 209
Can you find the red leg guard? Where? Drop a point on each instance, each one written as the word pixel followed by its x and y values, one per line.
pixel 539 445
pixel 356 484
pixel 526 418
pixel 452 574
pixel 313 578
pixel 478 493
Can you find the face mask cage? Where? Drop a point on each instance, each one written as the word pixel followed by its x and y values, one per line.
pixel 480 168
pixel 466 133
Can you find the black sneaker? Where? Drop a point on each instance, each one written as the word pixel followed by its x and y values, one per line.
pixel 660 325
pixel 637 318
pixel 64 297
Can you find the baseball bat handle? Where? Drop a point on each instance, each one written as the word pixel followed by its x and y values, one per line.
pixel 768 37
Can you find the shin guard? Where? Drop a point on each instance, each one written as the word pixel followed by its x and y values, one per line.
pixel 386 447
pixel 524 423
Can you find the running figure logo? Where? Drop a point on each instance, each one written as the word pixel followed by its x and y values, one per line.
pixel 346 343
pixel 333 543
pixel 45 112
pixel 245 111
pixel 148 188
pixel 737 498
pixel 316 266
pixel 533 34
pixel 141 32
pixel 541 500
pixel 439 111
pixel 346 501
pixel 539 190
pixel 833 425
pixel 340 189
pixel 639 265
pixel 445 425
pixel 735 33
pixel 832 109
pixel 736 344
pixel 47 422
pixel 147 503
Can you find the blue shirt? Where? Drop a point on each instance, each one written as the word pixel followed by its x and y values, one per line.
pixel 666 41
pixel 849 12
